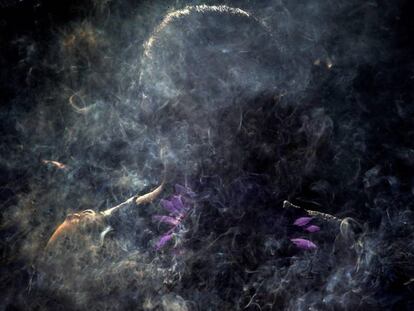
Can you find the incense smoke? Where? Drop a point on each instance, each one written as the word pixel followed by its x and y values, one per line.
pixel 238 108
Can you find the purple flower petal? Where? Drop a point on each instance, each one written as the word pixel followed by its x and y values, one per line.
pixel 164 239
pixel 304 244
pixel 312 228
pixel 302 221
pixel 169 206
pixel 177 203
pixel 184 191
pixel 166 219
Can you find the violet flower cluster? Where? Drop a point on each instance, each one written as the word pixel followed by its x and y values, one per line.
pixel 302 243
pixel 178 207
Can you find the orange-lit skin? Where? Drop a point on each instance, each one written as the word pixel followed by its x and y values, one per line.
pixel 73 224
pixel 55 163
pixel 78 226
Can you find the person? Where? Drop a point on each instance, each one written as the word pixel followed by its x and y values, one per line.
pixel 218 89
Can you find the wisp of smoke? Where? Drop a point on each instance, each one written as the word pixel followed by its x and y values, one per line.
pixel 280 146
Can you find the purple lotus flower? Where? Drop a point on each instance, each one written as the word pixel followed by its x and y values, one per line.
pixel 304 244
pixel 302 221
pixel 177 207
pixel 169 206
pixel 164 239
pixel 312 228
pixel 166 219
pixel 184 191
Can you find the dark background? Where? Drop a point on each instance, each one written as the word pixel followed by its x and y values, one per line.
pixel 372 81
